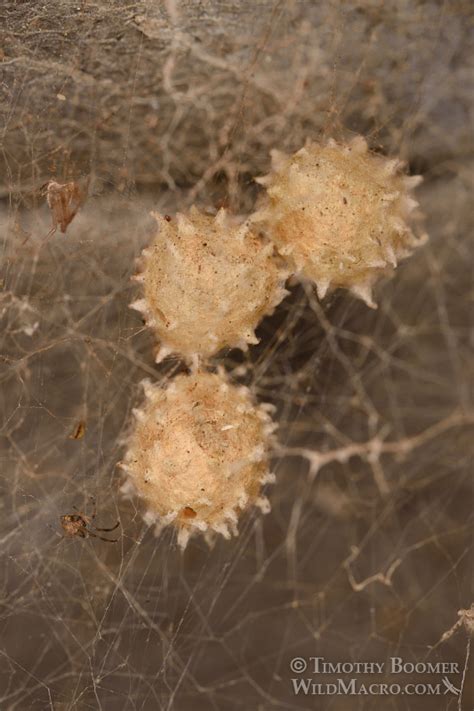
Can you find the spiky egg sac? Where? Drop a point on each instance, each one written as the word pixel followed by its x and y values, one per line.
pixel 338 214
pixel 208 281
pixel 198 455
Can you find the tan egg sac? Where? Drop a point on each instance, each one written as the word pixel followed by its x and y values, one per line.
pixel 198 455
pixel 338 214
pixel 208 281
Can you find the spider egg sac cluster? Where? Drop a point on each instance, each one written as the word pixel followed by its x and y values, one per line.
pixel 207 282
pixel 339 214
pixel 198 455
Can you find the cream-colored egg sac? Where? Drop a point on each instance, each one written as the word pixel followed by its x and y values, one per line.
pixel 339 214
pixel 198 455
pixel 208 281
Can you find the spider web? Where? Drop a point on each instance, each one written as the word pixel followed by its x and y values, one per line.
pixel 367 552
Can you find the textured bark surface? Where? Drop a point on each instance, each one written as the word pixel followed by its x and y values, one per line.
pixel 193 94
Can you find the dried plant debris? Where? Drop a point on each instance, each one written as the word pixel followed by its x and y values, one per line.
pixel 64 201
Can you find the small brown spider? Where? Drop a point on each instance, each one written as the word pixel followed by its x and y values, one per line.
pixel 79 525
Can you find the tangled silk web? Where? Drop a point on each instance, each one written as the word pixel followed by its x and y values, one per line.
pixel 366 552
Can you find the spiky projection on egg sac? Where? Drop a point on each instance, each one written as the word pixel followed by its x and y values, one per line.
pixel 207 281
pixel 339 214
pixel 198 455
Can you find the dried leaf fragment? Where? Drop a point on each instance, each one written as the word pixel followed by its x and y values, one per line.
pixel 64 200
pixel 78 431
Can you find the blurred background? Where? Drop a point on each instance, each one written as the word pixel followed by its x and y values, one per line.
pixel 367 552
